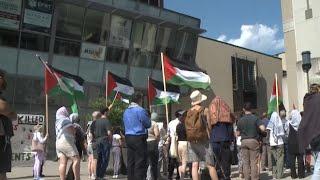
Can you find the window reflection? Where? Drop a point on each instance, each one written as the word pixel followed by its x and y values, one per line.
pixel 70 21
pixel 96 27
pixel 120 31
pixel 185 46
pixel 166 41
pixel 117 55
pixel 9 38
pixel 144 36
pixel 65 47
pixel 35 42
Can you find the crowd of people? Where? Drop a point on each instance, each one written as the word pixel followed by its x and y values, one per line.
pixel 200 143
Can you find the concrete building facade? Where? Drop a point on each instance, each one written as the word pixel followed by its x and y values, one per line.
pixel 301 27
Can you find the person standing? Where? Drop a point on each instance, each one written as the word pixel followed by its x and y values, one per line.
pixel 38 146
pixel 293 146
pixel 198 132
pixel 285 124
pixel 275 127
pixel 102 136
pixel 173 161
pixel 266 152
pixel 249 128
pixel 222 136
pixel 116 152
pixel 308 131
pixel 136 122
pixel 65 144
pixel 163 149
pixel 182 145
pixel 7 114
pixel 92 163
pixel 153 154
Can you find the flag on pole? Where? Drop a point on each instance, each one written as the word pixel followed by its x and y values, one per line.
pixel 183 75
pixel 58 82
pixel 157 95
pixel 272 106
pixel 121 85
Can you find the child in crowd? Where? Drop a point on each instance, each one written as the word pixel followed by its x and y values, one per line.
pixel 38 147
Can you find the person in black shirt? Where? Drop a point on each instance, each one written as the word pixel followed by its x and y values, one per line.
pixel 182 144
pixel 6 130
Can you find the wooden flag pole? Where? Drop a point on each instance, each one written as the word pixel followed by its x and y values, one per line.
pixel 277 92
pixel 149 100
pixel 107 74
pixel 114 99
pixel 47 114
pixel 164 88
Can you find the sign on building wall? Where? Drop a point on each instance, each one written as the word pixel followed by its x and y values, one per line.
pixel 10 13
pixel 38 15
pixel 120 31
pixel 93 51
pixel 21 141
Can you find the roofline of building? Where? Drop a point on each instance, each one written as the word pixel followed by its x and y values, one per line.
pixel 241 47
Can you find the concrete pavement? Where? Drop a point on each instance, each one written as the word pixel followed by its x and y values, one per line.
pixel 51 172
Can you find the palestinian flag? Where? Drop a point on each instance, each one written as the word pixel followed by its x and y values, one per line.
pixel 157 95
pixel 272 106
pixel 118 84
pixel 184 75
pixel 58 82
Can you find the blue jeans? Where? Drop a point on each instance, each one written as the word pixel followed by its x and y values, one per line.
pixel 103 153
pixel 316 171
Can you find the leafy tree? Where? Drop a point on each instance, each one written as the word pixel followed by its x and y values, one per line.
pixel 115 114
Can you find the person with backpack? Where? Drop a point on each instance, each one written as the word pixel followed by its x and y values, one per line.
pixel 248 127
pixel 7 114
pixel 222 135
pixel 198 130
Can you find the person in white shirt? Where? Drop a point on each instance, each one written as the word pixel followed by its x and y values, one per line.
pixel 38 142
pixel 277 134
pixel 173 161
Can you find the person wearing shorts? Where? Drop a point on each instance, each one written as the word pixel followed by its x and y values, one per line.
pixel 182 145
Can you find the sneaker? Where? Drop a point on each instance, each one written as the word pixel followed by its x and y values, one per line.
pixel 115 176
pixel 93 177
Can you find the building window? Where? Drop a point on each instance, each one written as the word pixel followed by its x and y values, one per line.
pixel 117 55
pixel 185 46
pixel 166 41
pixel 70 21
pixel 96 27
pixel 120 31
pixel 66 47
pixel 9 38
pixel 35 42
pixel 244 83
pixel 144 59
pixel 144 36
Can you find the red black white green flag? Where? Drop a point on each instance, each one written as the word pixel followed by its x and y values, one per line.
pixel 157 95
pixel 272 106
pixel 118 84
pixel 184 75
pixel 58 82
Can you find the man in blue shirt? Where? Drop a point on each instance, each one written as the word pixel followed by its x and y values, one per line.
pixel 136 122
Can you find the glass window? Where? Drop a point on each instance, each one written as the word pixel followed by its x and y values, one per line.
pixel 9 38
pixel 143 59
pixel 96 27
pixel 144 36
pixel 68 48
pixel 117 55
pixel 35 42
pixel 120 31
pixel 185 46
pixel 70 21
pixel 166 41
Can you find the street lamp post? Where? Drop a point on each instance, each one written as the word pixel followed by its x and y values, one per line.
pixel 306 64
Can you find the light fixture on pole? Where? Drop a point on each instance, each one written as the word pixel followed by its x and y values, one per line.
pixel 306 64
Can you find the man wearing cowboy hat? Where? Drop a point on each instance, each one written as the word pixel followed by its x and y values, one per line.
pixel 6 130
pixel 200 150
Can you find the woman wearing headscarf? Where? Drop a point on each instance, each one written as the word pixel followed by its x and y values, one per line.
pixel 65 144
pixel 276 130
pixel 293 146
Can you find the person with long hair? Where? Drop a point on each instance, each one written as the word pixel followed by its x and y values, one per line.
pixel 65 144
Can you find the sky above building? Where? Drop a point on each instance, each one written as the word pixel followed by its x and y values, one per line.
pixel 254 24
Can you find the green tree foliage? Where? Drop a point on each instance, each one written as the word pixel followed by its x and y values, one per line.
pixel 115 114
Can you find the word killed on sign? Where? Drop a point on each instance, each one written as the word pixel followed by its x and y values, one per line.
pixel 30 119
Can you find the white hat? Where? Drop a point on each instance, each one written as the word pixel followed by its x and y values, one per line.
pixel 197 98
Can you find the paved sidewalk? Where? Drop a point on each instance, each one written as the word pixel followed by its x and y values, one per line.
pixel 51 172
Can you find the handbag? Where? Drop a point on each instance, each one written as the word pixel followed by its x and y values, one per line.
pixel 36 146
pixel 173 152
